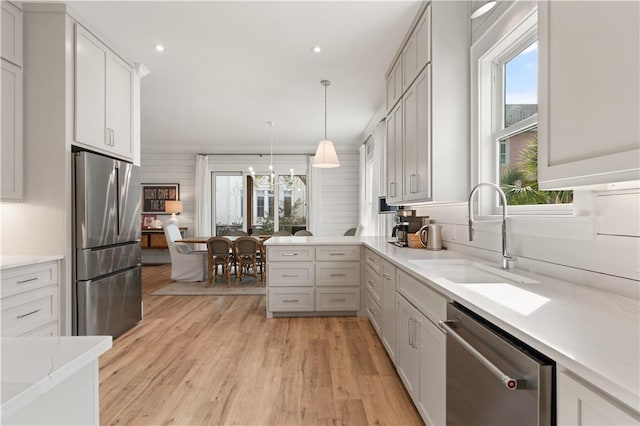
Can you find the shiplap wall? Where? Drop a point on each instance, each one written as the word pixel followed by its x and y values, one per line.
pixel 338 196
pixel 171 168
pixel 337 193
pixel 601 251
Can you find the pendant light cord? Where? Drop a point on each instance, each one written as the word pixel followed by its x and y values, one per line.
pixel 325 83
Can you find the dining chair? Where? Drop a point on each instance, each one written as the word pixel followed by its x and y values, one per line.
pixel 246 252
pixel 220 251
pixel 282 234
pixel 186 264
pixel 303 233
pixel 238 234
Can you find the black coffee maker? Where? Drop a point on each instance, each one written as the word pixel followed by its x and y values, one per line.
pixel 405 221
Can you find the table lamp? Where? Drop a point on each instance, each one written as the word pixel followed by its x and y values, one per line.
pixel 173 207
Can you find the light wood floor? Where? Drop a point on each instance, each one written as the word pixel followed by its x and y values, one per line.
pixel 218 360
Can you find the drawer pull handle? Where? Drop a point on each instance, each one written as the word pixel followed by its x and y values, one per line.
pixel 289 275
pixel 338 275
pixel 338 300
pixel 371 312
pixel 372 283
pixel 386 276
pixel 371 259
pixel 337 254
pixel 28 281
pixel 28 313
pixel 289 254
pixel 290 300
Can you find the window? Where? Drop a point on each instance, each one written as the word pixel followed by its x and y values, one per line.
pixel 292 210
pixel 508 89
pixel 228 200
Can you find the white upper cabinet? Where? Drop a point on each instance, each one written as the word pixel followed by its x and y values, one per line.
pixel 11 150
pixel 589 108
pixel 11 33
pixel 417 52
pixel 394 84
pixel 430 153
pixel 103 96
pixel 417 139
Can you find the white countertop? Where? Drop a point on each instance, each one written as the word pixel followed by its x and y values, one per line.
pixel 33 365
pixel 14 261
pixel 592 333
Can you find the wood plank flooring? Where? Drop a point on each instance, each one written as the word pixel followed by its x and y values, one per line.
pixel 213 360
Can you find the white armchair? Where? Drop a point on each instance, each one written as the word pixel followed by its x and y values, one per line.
pixel 186 264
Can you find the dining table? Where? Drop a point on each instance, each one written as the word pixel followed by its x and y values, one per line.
pixel 203 240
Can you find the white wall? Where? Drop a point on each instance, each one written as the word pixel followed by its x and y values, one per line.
pixel 171 168
pixel 336 196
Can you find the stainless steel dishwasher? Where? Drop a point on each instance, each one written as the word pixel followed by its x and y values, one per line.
pixel 493 378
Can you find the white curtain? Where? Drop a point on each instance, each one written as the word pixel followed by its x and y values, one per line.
pixel 203 197
pixel 313 184
pixel 364 225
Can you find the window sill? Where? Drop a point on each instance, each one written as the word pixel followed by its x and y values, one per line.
pixel 547 226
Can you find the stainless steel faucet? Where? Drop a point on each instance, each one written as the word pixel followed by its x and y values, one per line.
pixel 506 258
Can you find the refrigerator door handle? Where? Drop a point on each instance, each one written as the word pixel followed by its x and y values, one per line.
pixel 119 213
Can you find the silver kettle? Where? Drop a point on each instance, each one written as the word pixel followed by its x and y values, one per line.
pixel 431 236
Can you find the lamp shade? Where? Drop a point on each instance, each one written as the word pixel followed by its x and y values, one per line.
pixel 173 206
pixel 326 156
pixel 482 8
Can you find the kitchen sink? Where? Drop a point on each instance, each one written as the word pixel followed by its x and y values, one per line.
pixel 462 271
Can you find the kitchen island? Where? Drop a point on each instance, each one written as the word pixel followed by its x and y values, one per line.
pixel 592 335
pixel 51 380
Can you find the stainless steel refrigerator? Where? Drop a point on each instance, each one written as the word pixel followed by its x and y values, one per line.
pixel 107 293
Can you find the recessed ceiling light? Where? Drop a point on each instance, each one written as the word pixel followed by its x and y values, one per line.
pixel 316 49
pixel 158 47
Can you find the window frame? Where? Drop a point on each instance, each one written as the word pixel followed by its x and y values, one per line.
pixel 489 55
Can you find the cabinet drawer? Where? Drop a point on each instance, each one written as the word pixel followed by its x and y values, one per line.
pixel 431 303
pixel 48 330
pixel 374 312
pixel 373 260
pixel 299 274
pixel 24 312
pixel 374 284
pixel 290 254
pixel 27 278
pixel 338 274
pixel 337 299
pixel 338 253
pixel 157 241
pixel 291 299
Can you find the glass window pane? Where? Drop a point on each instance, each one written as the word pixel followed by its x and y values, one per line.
pixel 521 86
pixel 519 172
pixel 262 204
pixel 292 209
pixel 228 207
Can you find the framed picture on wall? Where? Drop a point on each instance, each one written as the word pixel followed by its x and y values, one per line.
pixel 154 196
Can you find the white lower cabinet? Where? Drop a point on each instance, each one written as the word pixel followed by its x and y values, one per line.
pixel 421 353
pixel 388 317
pixel 313 279
pixel 579 403
pixel 29 300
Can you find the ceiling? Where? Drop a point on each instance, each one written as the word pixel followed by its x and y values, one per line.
pixel 229 67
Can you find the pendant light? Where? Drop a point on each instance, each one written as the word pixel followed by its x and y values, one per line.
pixel 482 8
pixel 326 156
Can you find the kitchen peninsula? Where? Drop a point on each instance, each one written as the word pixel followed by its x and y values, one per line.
pixel 593 336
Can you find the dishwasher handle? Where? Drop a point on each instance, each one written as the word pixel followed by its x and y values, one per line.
pixel 510 383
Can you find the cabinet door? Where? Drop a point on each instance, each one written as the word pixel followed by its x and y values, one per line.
pixel 589 111
pixel 417 139
pixel 423 40
pixel 119 105
pixel 11 33
pixel 388 326
pixel 432 402
pixel 579 404
pixel 394 155
pixel 408 353
pixel 11 148
pixel 409 61
pixel 90 113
